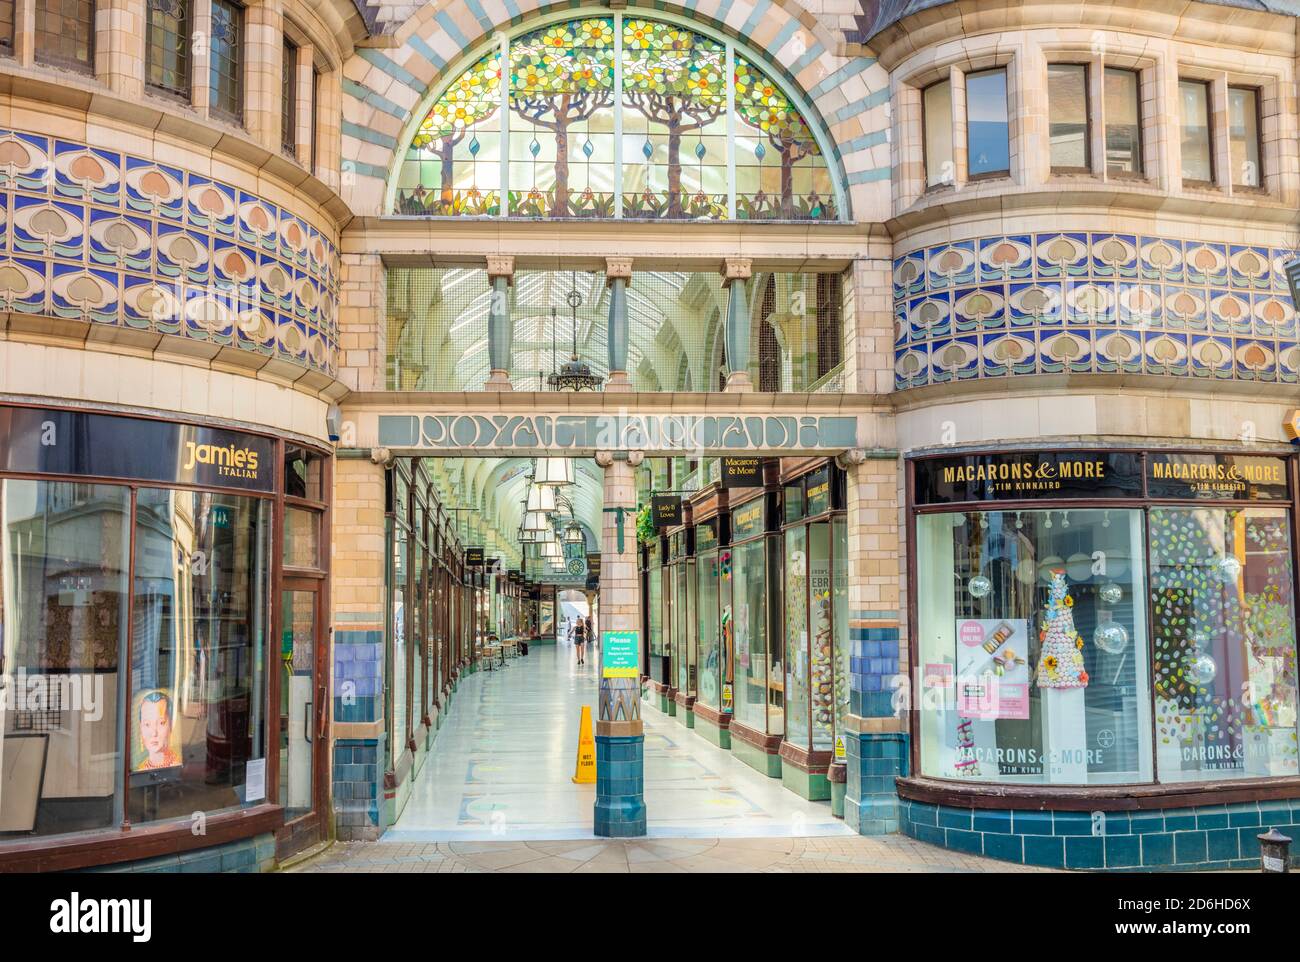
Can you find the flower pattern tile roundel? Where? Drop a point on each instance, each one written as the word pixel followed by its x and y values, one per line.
pixel 1093 302
pixel 102 236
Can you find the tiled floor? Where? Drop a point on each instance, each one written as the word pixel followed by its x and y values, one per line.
pixel 496 796
pixel 502 766
pixel 853 853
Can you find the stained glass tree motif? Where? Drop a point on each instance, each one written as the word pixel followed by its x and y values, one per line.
pixel 461 126
pixel 780 172
pixel 674 79
pixel 560 151
pixel 561 89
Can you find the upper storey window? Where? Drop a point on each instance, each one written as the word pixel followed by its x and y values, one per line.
pixel 65 33
pixel 1123 123
pixel 616 117
pixel 227 60
pixel 167 47
pixel 1243 135
pixel 1067 95
pixel 988 140
pixel 1194 131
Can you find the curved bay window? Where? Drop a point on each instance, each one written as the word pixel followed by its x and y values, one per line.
pixel 531 128
pixel 1099 618
pixel 815 540
pixel 138 565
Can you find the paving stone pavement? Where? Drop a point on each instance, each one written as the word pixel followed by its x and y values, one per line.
pixel 893 853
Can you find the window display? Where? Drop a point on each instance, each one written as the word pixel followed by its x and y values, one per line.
pixel 760 682
pixel 708 578
pixel 1032 646
pixel 683 613
pixel 1048 653
pixel 1224 646
pixel 199 614
pixel 796 635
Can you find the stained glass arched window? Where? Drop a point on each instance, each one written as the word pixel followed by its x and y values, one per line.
pixel 616 116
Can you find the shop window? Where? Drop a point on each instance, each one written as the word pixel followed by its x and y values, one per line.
pixel 759 680
pixel 227 60
pixel 1032 655
pixel 655 602
pixel 303 474
pixel 1243 136
pixel 167 46
pixel 1194 131
pixel 65 33
pixel 7 26
pixel 420 629
pixel 683 628
pixel 710 654
pixel 1123 108
pixel 289 99
pixel 988 140
pixel 1069 129
pixel 796 635
pixel 936 109
pixel 199 627
pixel 301 538
pixel 1224 645
pixel 315 118
pixel 397 700
pixel 63 623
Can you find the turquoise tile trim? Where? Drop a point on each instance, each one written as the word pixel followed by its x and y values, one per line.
pixel 837 77
pixel 812 53
pixel 365 170
pixel 373 57
pixel 369 136
pixel 1157 840
pixel 872 139
pixel 370 98
pixel 453 31
pixel 428 53
pixel 872 176
pixel 483 20
pixel 755 18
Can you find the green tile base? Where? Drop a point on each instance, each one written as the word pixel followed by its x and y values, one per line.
pixel 712 733
pixel 768 763
pixel 685 717
pixel 664 703
pixel 813 786
pixel 837 799
pixel 672 707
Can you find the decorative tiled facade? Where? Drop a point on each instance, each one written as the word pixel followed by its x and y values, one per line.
pixel 1080 302
pixel 101 236
pixel 1204 839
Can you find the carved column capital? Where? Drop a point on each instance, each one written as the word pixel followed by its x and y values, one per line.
pixel 501 265
pixel 851 457
pixel 634 458
pixel 618 268
pixel 381 456
pixel 736 269
pixel 604 458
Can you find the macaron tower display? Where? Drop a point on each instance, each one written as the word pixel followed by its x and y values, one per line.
pixel 1060 657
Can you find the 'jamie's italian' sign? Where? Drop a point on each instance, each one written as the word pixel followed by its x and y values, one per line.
pixel 1028 475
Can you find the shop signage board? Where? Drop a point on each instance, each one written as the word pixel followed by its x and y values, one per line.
pixel 669 433
pixel 474 557
pixel 1218 477
pixel 620 654
pixel 742 472
pixel 51 441
pixel 666 510
pixel 1028 475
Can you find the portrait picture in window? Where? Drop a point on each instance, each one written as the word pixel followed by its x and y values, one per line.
pixel 156 738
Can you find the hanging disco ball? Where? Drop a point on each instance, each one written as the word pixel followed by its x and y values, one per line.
pixel 1229 570
pixel 1112 593
pixel 1111 637
pixel 1201 670
pixel 979 586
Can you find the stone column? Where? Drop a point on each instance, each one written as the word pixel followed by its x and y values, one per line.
pixel 119 34
pixel 201 58
pixel 735 272
pixel 501 274
pixel 618 275
pixel 876 736
pixel 620 740
pixel 359 604
pixel 264 58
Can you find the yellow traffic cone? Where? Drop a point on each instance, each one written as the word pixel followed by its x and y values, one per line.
pixel 584 772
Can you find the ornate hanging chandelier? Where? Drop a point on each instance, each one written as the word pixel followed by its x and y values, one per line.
pixel 574 374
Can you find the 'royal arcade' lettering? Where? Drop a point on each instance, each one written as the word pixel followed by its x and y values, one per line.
pixel 685 432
